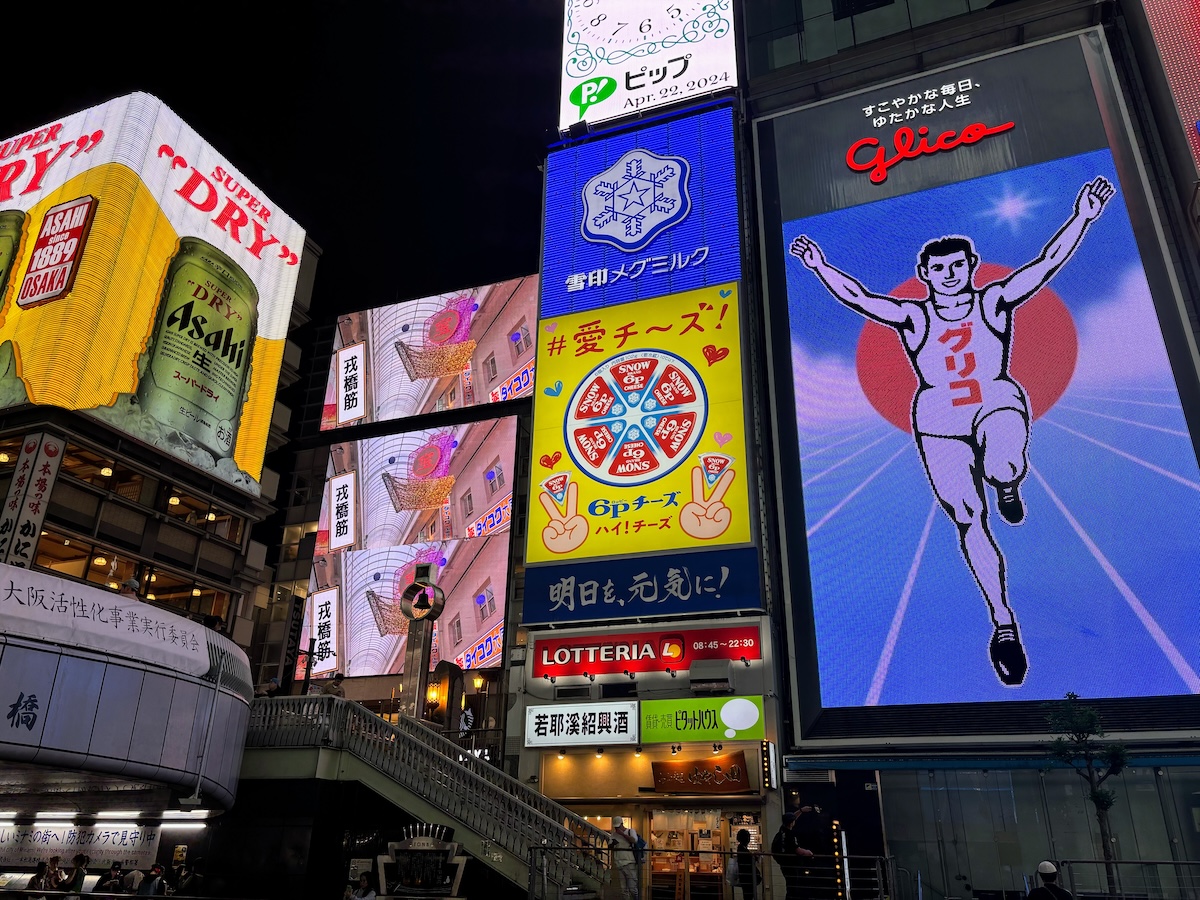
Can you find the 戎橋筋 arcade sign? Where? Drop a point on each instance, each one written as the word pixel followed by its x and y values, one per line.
pixel 642 651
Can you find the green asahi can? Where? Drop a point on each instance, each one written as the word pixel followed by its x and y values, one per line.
pixel 12 226
pixel 198 374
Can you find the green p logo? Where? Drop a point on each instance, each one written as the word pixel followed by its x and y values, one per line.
pixel 592 91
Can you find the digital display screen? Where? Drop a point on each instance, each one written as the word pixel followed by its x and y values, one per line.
pixel 441 497
pixel 641 214
pixel 449 351
pixel 122 221
pixel 999 481
pixel 625 57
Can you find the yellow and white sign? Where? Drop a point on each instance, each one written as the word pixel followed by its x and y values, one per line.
pixel 639 435
pixel 145 281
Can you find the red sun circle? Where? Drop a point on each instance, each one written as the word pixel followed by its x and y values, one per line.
pixel 1044 350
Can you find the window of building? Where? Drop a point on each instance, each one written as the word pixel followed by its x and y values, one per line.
pixel 449 399
pixel 524 340
pixel 489 367
pixel 99 470
pixel 61 555
pixel 467 503
pixel 486 601
pixel 495 478
pixel 456 630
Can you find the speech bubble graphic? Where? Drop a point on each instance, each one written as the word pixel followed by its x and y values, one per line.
pixel 592 91
pixel 737 715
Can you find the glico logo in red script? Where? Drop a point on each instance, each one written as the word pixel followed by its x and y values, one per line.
pixel 909 147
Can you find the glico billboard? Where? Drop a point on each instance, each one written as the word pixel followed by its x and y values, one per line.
pixel 626 57
pixel 449 351
pixel 146 282
pixel 441 497
pixel 641 214
pixel 640 459
pixel 990 383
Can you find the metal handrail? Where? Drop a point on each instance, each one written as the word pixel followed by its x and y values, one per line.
pixel 1185 886
pixel 480 797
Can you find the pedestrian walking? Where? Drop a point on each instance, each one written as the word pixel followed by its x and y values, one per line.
pixel 1049 889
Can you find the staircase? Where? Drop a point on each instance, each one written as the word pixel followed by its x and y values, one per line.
pixel 499 820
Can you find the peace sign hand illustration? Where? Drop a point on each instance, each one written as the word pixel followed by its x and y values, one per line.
pixel 566 531
pixel 707 519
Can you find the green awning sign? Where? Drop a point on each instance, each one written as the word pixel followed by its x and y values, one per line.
pixel 702 719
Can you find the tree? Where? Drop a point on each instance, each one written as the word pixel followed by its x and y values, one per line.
pixel 1079 743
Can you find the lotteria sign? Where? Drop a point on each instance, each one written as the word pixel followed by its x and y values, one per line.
pixel 643 651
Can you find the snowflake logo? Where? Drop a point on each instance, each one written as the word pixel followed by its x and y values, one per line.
pixel 640 196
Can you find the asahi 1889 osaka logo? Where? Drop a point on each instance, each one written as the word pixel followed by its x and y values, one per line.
pixel 633 201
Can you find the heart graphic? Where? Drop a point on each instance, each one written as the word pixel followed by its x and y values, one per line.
pixel 715 354
pixel 557 389
pixel 550 460
pixel 721 437
pixel 726 293
pixel 550 327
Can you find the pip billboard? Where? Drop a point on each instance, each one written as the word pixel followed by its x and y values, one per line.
pixel 449 351
pixel 440 496
pixel 625 57
pixel 998 475
pixel 121 222
pixel 639 447
pixel 641 214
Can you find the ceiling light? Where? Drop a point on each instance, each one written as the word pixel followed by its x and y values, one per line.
pixel 185 814
pixel 718 747
pixel 66 543
pixel 99 561
pixel 114 824
pixel 599 752
pixel 53 823
pixel 637 751
pixel 195 592
pixel 3 457
pixel 183 826
pixel 106 471
pixel 212 517
pixel 8 824
pixel 562 752
pixel 154 578
pixel 174 501
pixel 151 597
pixel 119 814
pixel 113 585
pixel 8 814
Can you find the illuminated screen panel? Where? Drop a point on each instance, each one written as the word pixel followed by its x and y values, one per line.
pixel 641 214
pixel 443 352
pixel 1176 28
pixel 999 481
pixel 626 57
pixel 121 221
pixel 639 447
pixel 438 496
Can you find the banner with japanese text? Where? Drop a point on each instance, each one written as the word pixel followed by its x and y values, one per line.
pixel 702 719
pixel 132 846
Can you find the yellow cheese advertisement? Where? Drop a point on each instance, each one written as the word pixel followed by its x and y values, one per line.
pixel 639 441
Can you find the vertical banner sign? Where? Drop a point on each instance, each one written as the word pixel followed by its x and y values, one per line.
pixel 37 496
pixel 995 456
pixel 641 214
pixel 350 379
pixel 623 57
pixel 324 628
pixel 18 489
pixel 295 627
pixel 343 495
pixel 639 446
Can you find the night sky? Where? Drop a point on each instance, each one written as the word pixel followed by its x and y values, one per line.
pixel 404 136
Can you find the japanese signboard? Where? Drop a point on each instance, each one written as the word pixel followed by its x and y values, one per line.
pixel 133 846
pixel 702 719
pixel 641 449
pixel 47 608
pixel 641 214
pixel 120 220
pixel 448 351
pixel 613 653
pixel 343 500
pixel 992 357
pixel 582 724
pixel 25 506
pixel 723 774
pixel 486 651
pixel 326 616
pixel 625 57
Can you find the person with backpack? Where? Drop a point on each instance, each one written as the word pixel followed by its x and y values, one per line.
pixel 628 851
pixel 1049 888
pixel 790 856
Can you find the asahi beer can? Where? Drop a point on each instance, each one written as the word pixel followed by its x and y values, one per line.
pixel 198 374
pixel 12 226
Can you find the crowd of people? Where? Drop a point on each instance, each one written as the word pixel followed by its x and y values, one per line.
pixel 185 880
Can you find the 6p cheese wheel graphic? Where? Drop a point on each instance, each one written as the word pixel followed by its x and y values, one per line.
pixel 635 417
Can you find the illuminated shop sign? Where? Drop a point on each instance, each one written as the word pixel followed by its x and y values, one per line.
pixel 582 724
pixel 703 719
pixel 643 651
